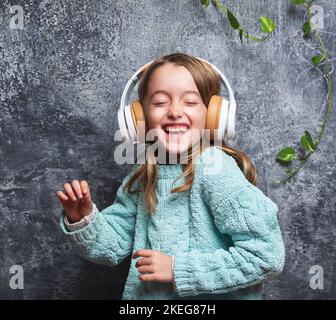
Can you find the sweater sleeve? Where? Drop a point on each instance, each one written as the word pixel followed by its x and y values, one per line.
pixel 249 217
pixel 82 222
pixel 108 238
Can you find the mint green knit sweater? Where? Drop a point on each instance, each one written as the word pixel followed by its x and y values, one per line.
pixel 223 233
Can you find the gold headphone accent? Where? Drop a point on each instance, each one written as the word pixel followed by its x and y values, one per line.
pixel 138 115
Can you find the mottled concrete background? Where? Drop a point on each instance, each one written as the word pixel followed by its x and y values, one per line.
pixel 61 80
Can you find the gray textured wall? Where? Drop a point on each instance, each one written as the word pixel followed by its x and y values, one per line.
pixel 61 80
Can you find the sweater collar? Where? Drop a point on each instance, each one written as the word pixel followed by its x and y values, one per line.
pixel 170 170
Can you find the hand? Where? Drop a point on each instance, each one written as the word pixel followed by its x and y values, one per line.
pixel 76 200
pixel 156 264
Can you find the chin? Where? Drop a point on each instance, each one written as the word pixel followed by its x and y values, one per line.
pixel 174 148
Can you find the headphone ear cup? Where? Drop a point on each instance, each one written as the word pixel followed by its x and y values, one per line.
pixel 139 121
pixel 213 115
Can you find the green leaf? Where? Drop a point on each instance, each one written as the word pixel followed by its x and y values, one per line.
pixel 286 154
pixel 268 25
pixel 306 27
pixel 241 35
pixel 232 19
pixel 205 2
pixel 317 59
pixel 307 142
pixel 298 1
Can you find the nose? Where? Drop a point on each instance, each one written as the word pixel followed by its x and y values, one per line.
pixel 174 110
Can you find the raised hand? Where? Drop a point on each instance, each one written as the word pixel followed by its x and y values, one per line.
pixel 76 200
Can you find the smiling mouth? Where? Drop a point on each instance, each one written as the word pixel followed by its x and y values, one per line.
pixel 175 132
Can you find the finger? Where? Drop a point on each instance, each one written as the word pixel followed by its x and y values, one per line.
pixel 87 201
pixel 62 196
pixel 85 189
pixel 148 277
pixel 69 192
pixel 76 186
pixel 146 269
pixel 143 262
pixel 142 252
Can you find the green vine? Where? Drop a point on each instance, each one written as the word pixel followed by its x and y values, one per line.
pixel 267 24
pixel 288 154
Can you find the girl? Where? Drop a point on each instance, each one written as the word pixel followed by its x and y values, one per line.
pixel 213 236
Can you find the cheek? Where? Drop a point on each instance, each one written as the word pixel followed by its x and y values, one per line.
pixel 198 117
pixel 153 118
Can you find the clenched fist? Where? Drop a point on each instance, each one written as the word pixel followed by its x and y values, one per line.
pixel 76 200
pixel 155 266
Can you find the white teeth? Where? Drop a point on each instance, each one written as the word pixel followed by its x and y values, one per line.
pixel 175 129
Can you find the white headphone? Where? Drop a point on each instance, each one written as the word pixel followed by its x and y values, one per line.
pixel 220 114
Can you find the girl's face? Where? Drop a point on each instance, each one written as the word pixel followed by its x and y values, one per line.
pixel 174 108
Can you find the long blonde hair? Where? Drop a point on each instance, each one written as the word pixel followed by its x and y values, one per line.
pixel 208 84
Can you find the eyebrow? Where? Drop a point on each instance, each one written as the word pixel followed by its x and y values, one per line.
pixel 165 92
